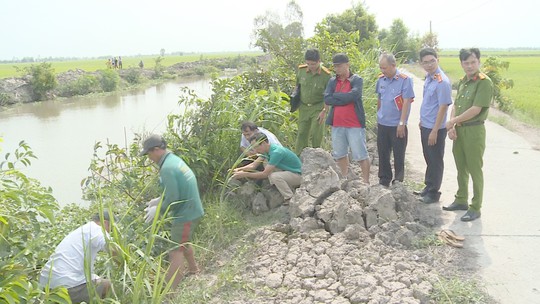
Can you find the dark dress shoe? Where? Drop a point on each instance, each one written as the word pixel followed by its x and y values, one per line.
pixel 430 199
pixel 456 206
pixel 470 215
pixel 421 193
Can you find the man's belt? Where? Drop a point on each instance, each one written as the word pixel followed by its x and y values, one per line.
pixel 470 123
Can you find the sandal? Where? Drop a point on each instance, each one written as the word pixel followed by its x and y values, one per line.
pixel 453 235
pixel 449 241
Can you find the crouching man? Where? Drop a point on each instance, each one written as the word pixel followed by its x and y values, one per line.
pixel 79 249
pixel 283 170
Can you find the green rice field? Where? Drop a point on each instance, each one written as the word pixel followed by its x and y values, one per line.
pixel 524 71
pixel 8 69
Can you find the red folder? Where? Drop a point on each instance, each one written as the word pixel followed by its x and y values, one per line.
pixel 398 100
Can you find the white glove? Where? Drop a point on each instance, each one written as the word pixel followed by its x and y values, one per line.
pixel 153 202
pixel 150 214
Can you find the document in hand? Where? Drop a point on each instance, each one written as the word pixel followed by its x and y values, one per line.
pixel 398 100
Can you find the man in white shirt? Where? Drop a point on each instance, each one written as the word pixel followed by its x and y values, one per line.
pixel 66 266
pixel 248 130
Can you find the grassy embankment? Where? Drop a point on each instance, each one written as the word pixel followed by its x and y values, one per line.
pixel 90 65
pixel 523 70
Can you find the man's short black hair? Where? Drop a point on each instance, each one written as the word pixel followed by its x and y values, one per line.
pixel 428 51
pixel 258 138
pixel 106 217
pixel 466 53
pixel 312 55
pixel 248 125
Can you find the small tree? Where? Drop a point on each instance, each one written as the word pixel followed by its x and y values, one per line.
pixel 158 68
pixel 109 80
pixel 493 67
pixel 162 52
pixel 356 19
pixel 430 40
pixel 398 41
pixel 43 79
pixel 283 40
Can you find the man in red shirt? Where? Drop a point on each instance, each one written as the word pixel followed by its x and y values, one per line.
pixel 347 117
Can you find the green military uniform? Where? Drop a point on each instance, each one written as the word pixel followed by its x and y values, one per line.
pixel 469 146
pixel 312 86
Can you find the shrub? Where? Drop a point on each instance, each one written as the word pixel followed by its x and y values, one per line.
pixel 134 76
pixel 202 70
pixel 85 84
pixel 493 67
pixel 27 211
pixel 109 80
pixel 43 79
pixel 158 67
pixel 4 99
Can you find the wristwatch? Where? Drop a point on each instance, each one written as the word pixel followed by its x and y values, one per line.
pixel 401 123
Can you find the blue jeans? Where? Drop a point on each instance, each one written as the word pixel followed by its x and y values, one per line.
pixel 345 138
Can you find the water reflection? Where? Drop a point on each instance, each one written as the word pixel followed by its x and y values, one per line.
pixel 62 133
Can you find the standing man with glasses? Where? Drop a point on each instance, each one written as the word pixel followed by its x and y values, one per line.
pixel 395 92
pixel 466 128
pixel 437 98
pixel 311 81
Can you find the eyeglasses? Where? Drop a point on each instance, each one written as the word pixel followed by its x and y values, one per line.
pixel 432 61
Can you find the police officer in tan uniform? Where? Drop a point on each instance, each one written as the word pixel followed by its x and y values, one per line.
pixel 312 78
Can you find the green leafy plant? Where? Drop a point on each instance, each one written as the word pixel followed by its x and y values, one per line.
pixel 27 211
pixel 109 80
pixel 494 67
pixel 158 67
pixel 42 79
pixel 83 85
pixel 134 76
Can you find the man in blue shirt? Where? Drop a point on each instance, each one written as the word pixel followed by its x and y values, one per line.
pixel 437 98
pixel 395 95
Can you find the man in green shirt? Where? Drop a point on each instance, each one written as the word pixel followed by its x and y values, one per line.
pixel 181 202
pixel 466 128
pixel 284 168
pixel 311 78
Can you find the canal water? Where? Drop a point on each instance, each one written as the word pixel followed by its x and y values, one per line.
pixel 62 133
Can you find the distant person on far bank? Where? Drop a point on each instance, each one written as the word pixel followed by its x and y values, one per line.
pixel 283 170
pixel 180 201
pixel 311 80
pixel 347 117
pixel 141 64
pixel 466 128
pixel 433 112
pixel 395 95
pixel 79 249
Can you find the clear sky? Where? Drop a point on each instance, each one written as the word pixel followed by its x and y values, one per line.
pixel 91 28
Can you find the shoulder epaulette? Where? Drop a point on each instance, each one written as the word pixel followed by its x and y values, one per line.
pixel 403 76
pixel 381 75
pixel 302 66
pixel 327 71
pixel 438 77
pixel 482 76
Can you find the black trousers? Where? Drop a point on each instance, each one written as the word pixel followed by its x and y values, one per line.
pixel 434 156
pixel 387 141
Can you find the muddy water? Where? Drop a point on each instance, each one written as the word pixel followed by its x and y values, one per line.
pixel 62 134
